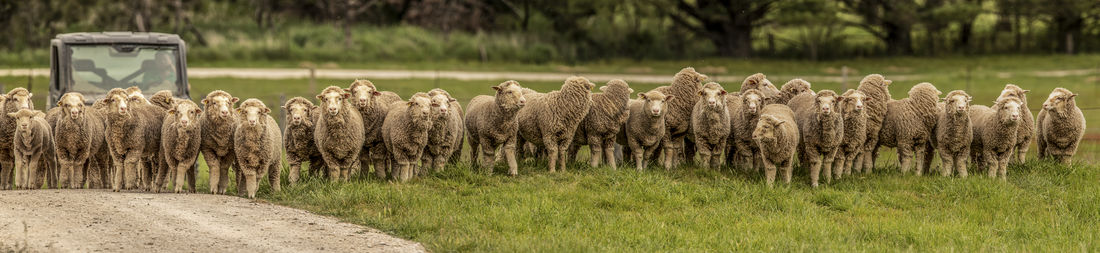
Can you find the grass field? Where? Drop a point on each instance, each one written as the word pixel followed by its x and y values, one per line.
pixel 1041 207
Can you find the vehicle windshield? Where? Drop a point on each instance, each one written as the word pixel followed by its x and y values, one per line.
pixel 97 69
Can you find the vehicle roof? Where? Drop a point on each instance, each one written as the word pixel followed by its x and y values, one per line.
pixel 119 37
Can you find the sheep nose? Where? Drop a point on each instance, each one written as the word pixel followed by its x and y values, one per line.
pixel 297 118
pixel 185 122
pixel 656 111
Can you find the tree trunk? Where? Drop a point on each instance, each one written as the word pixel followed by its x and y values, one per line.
pixel 737 42
pixel 965 29
pixel 898 39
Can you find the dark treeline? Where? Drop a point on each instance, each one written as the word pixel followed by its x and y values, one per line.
pixel 640 29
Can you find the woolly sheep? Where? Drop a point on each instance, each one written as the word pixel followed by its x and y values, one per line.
pixel 851 108
pixel 405 133
pixel 550 120
pixel 298 138
pixel 133 136
pixel 80 142
pixel 710 123
pixel 744 112
pixel 954 132
pixel 491 123
pixel 338 133
pixel 1026 130
pixel 218 124
pixel 645 126
pixel 776 135
pixel 15 100
pixel 875 86
pixel 445 135
pixel 821 131
pixel 180 139
pixel 258 145
pixel 601 125
pixel 33 148
pixel 761 83
pixel 910 126
pixel 789 90
pixel 1061 126
pixel 373 105
pixel 163 99
pixel 995 134
pixel 685 87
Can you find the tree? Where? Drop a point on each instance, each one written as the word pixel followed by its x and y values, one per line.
pixel 816 22
pixel 728 24
pixel 889 20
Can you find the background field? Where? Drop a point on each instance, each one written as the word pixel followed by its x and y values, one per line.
pixel 1041 207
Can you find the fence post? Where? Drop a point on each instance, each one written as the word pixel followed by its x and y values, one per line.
pixel 312 78
pixel 844 77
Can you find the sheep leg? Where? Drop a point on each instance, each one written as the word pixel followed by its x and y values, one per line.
pixel 294 169
pixel 65 177
pixel 596 149
pixel 905 157
pixel 705 152
pixel 769 172
pixel 274 175
pixel 920 158
pixel 250 183
pixel 181 176
pixel 788 170
pixel 1021 152
pixel 813 160
pixel 1002 165
pixel 947 162
pixel 552 152
pixel 33 169
pixel 961 162
pixel 7 167
pixel 827 163
pixel 638 153
pixel 118 165
pixel 380 157
pixel 609 152
pixel 79 171
pixel 475 152
pixel 990 163
pixel 131 165
pixel 509 150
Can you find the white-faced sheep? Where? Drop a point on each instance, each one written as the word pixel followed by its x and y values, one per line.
pixel 855 131
pixel 602 124
pixel 218 125
pixel 875 86
pixel 710 123
pixel 995 134
pixel 298 138
pixel 1026 130
pixel 550 120
pixel 821 131
pixel 16 99
pixel 338 133
pixel 744 111
pixel 373 105
pixel 1061 126
pixel 445 135
pixel 133 136
pixel 910 126
pixel 180 140
pixel 491 124
pixel 954 132
pixel 405 133
pixel 258 144
pixel 761 83
pixel 792 88
pixel 685 87
pixel 645 127
pixel 81 145
pixel 776 135
pixel 33 148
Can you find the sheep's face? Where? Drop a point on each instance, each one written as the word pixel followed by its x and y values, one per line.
pixel 957 104
pixel 713 95
pixel 1059 100
pixel 420 106
pixel 363 93
pixel 22 100
pixel 133 94
pixel 440 104
pixel 852 102
pixel 655 103
pixel 510 95
pixel 752 100
pixel 219 105
pixel 1012 90
pixel 298 112
pixel 766 129
pixel 333 100
pixel 24 118
pixel 796 87
pixel 186 112
pixel 253 112
pixel 1010 110
pixel 825 102
pixel 73 103
pixel 120 102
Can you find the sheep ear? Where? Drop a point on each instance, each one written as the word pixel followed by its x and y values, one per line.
pixel 1072 95
pixel 347 89
pixel 173 111
pixel 235 99
pixel 284 107
pixel 11 115
pixel 497 88
pixel 267 110
pixel 347 95
pixel 59 103
pixel 723 92
pixel 318 97
pixel 198 111
pixel 452 100
pixel 641 95
pixel 669 98
pixel 30 95
pixel 943 99
pixel 969 98
pixel 1026 91
pixel 887 82
pixel 375 93
pixel 603 88
pixel 204 101
pixel 314 107
pixel 701 93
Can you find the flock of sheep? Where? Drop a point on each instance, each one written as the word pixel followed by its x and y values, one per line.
pixel 125 141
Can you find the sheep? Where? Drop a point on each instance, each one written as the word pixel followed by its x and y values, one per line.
pixel 338 133
pixel 163 99
pixel 645 126
pixel 761 83
pixel 851 107
pixel 258 144
pixel 792 88
pixel 954 132
pixel 405 133
pixel 133 137
pixel 33 148
pixel 710 123
pixel 744 111
pixel 298 137
pixel 1026 130
pixel 445 135
pixel 910 126
pixel 875 86
pixel 1061 126
pixel 821 131
pixel 80 144
pixel 550 120
pixel 218 124
pixel 995 134
pixel 601 125
pixel 491 123
pixel 685 86
pixel 373 105
pixel 180 137
pixel 776 135
pixel 15 100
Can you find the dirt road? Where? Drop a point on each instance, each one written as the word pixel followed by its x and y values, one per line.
pixel 96 220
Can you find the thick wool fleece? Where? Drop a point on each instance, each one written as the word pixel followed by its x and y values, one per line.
pixel 133 136
pixel 875 87
pixel 685 87
pixel 759 82
pixel 258 144
pixel 954 132
pixel 180 138
pixel 15 100
pixel 1061 126
pixel 1025 132
pixel 851 107
pixel 776 135
pixel 744 111
pixel 910 125
pixel 163 99
pixel 338 133
pixel 995 134
pixel 298 138
pixel 821 131
pixel 605 117
pixel 405 133
pixel 645 126
pixel 491 124
pixel 551 120
pixel 445 135
pixel 792 88
pixel 81 144
pixel 710 121
pixel 219 122
pixel 372 105
pixel 33 148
